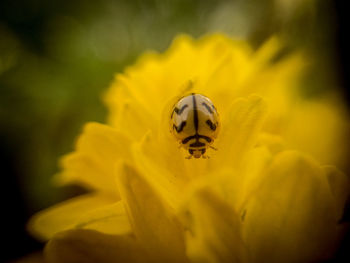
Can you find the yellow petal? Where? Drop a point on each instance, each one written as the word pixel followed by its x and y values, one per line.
pixel 234 185
pixel 218 57
pixel 279 84
pixel 274 143
pixel 129 114
pixel 213 230
pixel 83 169
pixel 153 222
pixel 320 129
pixel 291 217
pixel 239 130
pixel 249 179
pixel 268 51
pixel 340 188
pixel 88 246
pixel 93 163
pixel 93 211
pixel 163 165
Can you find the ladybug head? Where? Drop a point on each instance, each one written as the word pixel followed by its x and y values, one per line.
pixel 197 153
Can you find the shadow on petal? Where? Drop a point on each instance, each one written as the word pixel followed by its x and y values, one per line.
pixel 88 246
pixel 292 216
pixel 213 230
pixel 153 221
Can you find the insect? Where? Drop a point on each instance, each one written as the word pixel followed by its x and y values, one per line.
pixel 195 124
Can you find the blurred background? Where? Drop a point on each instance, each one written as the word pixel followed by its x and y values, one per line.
pixel 58 57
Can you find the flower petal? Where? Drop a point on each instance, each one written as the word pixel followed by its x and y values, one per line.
pixel 163 164
pixel 320 129
pixel 340 188
pixel 213 230
pixel 274 143
pixel 93 211
pixel 240 128
pixel 249 180
pixel 153 222
pixel 88 246
pixel 128 113
pixel 291 217
pixel 93 164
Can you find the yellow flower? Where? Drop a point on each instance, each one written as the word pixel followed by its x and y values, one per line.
pixel 258 198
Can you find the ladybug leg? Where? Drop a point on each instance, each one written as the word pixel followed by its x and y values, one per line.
pixel 212 147
pixel 189 157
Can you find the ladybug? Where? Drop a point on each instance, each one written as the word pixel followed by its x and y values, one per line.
pixel 195 124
